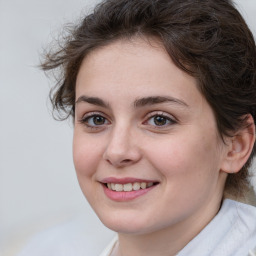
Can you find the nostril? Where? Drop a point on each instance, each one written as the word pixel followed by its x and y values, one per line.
pixel 120 163
pixel 126 161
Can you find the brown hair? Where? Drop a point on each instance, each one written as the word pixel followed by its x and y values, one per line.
pixel 208 39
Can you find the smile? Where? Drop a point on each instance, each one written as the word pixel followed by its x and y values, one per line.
pixel 129 186
pixel 126 189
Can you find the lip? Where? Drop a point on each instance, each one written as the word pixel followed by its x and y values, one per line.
pixel 123 196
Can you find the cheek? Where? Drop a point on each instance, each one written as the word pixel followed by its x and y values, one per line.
pixel 85 156
pixel 186 156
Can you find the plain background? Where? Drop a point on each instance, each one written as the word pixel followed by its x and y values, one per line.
pixel 38 186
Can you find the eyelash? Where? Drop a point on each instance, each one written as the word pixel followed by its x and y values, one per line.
pixel 90 116
pixel 166 118
pixel 86 119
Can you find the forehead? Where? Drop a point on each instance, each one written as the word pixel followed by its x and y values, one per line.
pixel 132 64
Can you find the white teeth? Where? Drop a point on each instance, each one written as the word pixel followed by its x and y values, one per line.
pixel 136 186
pixel 129 186
pixel 119 187
pixel 143 185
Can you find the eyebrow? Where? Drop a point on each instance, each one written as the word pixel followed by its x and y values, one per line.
pixel 145 101
pixel 92 100
pixel 156 100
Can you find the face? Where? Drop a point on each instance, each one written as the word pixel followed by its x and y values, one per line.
pixel 146 149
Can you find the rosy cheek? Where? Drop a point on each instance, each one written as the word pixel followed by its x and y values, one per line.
pixel 85 159
pixel 79 158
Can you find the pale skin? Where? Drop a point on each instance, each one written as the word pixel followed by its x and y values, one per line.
pixel 137 115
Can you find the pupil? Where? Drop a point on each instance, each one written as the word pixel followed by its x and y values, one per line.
pixel 159 120
pixel 98 120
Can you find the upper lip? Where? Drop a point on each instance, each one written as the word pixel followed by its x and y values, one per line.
pixel 125 180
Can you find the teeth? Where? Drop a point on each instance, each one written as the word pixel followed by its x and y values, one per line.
pixel 136 186
pixel 143 185
pixel 119 187
pixel 129 186
pixel 150 184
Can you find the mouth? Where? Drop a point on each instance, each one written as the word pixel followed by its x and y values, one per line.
pixel 128 187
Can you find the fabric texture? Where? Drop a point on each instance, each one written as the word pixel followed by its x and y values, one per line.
pixel 231 233
pixel 110 247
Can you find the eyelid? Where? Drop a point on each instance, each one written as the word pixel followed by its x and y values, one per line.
pixel 92 113
pixel 160 113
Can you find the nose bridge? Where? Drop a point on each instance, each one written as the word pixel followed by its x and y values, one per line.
pixel 121 148
pixel 121 136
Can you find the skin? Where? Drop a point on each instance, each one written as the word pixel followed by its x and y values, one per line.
pixel 185 155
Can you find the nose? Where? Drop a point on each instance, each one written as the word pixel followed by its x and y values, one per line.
pixel 122 148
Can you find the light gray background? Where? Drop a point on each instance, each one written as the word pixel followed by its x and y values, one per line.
pixel 38 186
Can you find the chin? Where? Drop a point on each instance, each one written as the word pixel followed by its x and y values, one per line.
pixel 129 224
pixel 123 223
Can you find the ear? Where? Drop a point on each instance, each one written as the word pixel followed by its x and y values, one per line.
pixel 239 148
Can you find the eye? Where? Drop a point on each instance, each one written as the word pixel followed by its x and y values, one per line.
pixel 160 120
pixel 94 120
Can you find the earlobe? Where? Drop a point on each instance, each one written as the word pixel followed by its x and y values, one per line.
pixel 239 148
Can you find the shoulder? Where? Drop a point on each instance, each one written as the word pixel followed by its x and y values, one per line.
pixel 241 221
pixel 235 208
pixel 231 233
pixel 242 214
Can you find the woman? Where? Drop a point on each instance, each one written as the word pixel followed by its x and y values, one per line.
pixel 162 94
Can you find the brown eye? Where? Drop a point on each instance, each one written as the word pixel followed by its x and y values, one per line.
pixel 160 120
pixel 94 120
pixel 98 120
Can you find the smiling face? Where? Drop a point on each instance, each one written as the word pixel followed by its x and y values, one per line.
pixel 146 148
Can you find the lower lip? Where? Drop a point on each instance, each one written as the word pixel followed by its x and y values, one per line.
pixel 125 195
